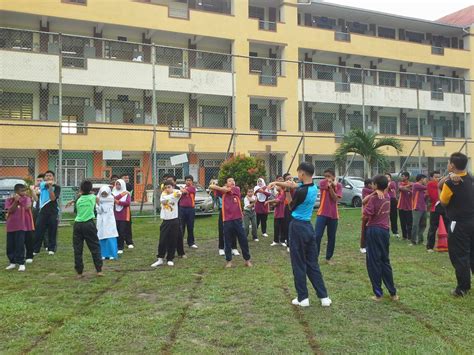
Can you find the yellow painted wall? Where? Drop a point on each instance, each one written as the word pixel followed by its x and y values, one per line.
pixel 240 29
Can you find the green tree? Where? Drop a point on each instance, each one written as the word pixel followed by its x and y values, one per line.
pixel 367 145
pixel 245 171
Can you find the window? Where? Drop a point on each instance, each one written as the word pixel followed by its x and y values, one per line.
pixel 19 40
pixel 412 126
pixel 123 111
pixel 16 105
pixel 324 22
pixel 324 121
pixel 388 125
pixel 213 116
pixel 416 37
pixel 73 51
pixel 357 27
pixel 14 162
pixel 257 12
pixel 387 79
pixel 73 171
pixel 170 114
pixel 386 32
pixel 324 72
pixel 355 120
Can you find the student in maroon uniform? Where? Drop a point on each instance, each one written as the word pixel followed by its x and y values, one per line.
pixel 328 215
pixel 377 211
pixel 187 210
pixel 405 205
pixel 232 218
pixel 278 217
pixel 261 209
pixel 392 193
pixel 19 222
pixel 419 209
pixel 366 191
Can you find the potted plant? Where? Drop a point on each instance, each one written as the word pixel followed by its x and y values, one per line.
pixel 149 193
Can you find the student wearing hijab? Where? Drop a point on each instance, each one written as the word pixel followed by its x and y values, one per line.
pixel 106 225
pixel 261 209
pixel 122 215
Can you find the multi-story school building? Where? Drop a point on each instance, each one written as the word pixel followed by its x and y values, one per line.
pixel 221 77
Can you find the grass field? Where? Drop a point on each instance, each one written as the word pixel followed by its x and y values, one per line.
pixel 200 307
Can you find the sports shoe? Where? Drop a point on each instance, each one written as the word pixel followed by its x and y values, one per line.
pixel 283 245
pixel 157 263
pixel 458 293
pixel 288 249
pixel 34 254
pixel 21 268
pixel 99 274
pixel 304 303
pixel 28 261
pixel 363 250
pixel 184 256
pixel 120 252
pixel 50 252
pixel 221 252
pixel 396 236
pixel 255 240
pixel 111 258
pixel 376 298
pixel 248 263
pixel 326 302
pixel 170 263
pixel 430 250
pixel 46 248
pixel 395 298
pixel 235 252
pixel 194 246
pixel 10 267
pixel 131 246
pixel 265 235
pixel 411 244
pixel 273 244
pixel 228 264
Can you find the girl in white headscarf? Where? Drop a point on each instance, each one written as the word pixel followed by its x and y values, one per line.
pixel 261 209
pixel 122 215
pixel 106 225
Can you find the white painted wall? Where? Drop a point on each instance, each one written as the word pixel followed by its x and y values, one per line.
pixel 29 66
pixel 324 91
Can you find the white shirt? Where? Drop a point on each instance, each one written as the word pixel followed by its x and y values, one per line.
pixel 169 205
pixel 247 202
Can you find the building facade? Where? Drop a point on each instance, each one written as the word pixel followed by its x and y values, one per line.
pixel 282 80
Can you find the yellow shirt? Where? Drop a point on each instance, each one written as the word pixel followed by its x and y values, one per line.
pixel 447 193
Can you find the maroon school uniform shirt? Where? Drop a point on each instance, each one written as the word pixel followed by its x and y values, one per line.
pixel 260 207
pixel 378 212
pixel 231 206
pixel 405 202
pixel 328 207
pixel 21 219
pixel 392 189
pixel 280 206
pixel 187 200
pixel 124 214
pixel 419 193
pixel 366 192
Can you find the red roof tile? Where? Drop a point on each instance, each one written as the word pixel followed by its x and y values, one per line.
pixel 464 17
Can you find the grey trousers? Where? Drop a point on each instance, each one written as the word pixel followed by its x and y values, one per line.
pixel 250 218
pixel 419 226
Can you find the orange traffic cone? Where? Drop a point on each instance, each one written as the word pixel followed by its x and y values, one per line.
pixel 442 244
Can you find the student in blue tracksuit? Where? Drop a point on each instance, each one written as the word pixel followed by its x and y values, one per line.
pixel 303 249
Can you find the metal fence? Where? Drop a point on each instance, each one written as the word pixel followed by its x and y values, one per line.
pixel 94 108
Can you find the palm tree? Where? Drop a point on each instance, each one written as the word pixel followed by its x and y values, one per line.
pixel 367 145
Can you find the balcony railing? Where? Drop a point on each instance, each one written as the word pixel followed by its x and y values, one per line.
pixel 267 135
pixel 179 132
pixel 267 25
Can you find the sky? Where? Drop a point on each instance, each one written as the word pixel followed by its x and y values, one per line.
pixel 424 9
